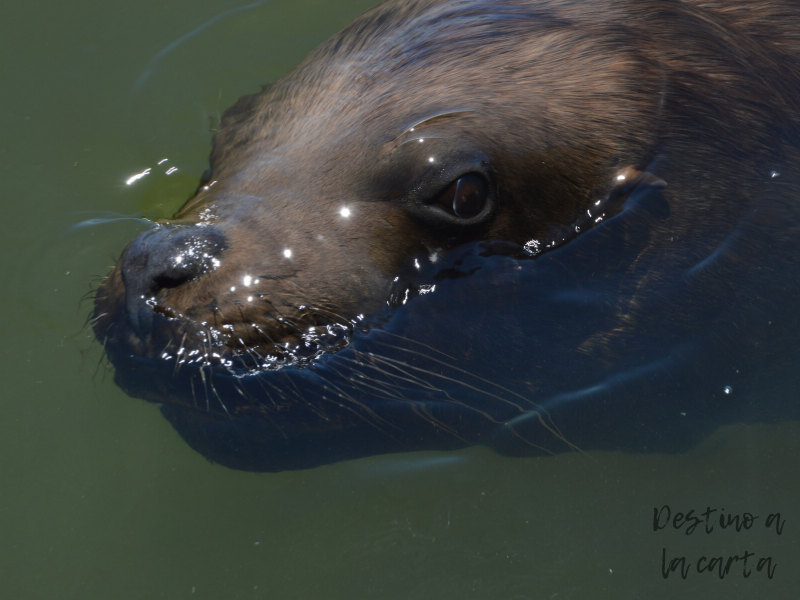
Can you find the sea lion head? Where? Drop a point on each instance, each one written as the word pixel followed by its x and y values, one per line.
pixel 424 128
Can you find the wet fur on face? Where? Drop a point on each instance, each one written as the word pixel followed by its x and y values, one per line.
pixel 319 194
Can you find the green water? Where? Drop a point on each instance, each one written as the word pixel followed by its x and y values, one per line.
pixel 100 499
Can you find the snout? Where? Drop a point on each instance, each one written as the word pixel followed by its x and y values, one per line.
pixel 163 258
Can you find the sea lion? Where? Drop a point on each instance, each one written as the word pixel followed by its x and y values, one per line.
pixel 539 225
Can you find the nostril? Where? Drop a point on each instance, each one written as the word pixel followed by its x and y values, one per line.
pixel 181 258
pixel 166 257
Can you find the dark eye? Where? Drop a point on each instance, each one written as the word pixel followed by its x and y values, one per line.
pixel 466 197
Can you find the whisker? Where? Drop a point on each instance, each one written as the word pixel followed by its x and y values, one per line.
pixel 100 361
pixel 344 395
pixel 177 356
pixel 539 410
pixel 407 377
pixel 410 340
pixel 455 401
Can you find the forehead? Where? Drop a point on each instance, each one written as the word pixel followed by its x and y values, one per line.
pixel 509 77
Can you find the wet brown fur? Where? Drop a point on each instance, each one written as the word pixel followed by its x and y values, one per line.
pixel 560 94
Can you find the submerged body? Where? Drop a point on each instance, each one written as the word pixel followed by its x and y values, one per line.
pixel 536 225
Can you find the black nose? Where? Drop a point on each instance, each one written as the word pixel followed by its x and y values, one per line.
pixel 165 257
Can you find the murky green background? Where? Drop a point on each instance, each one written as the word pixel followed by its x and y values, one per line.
pixel 100 499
